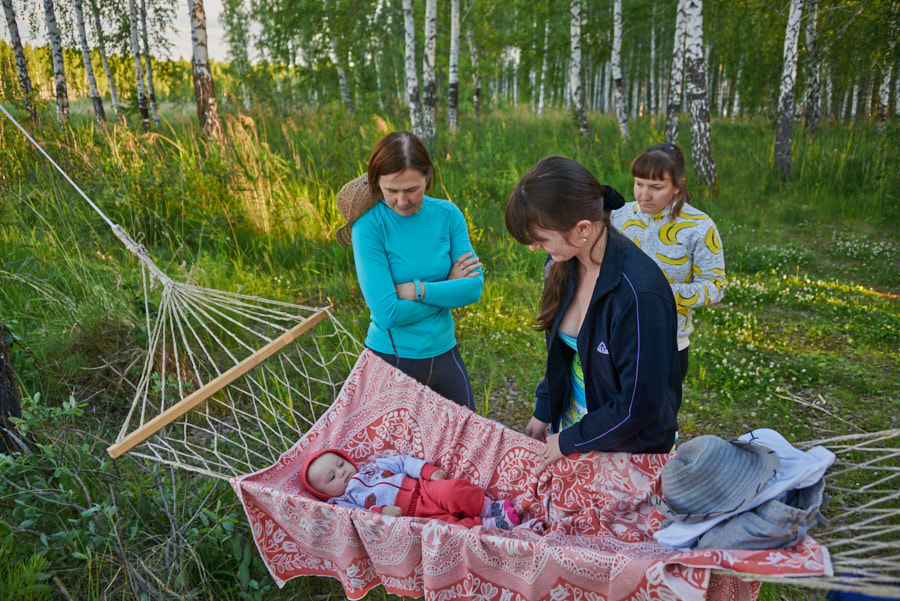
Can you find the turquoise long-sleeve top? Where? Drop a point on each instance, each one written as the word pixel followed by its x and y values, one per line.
pixel 391 249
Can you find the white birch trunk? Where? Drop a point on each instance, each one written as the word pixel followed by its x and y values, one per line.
pixel 99 113
pixel 736 101
pixel 607 88
pixel 870 90
pixel 101 48
pixel 618 91
pixel 673 108
pixel 204 88
pixel 412 80
pixel 829 95
pixel 784 127
pixel 813 86
pixel 246 96
pixel 884 95
pixel 59 67
pixel 652 83
pixel 346 98
pixel 151 90
pixel 453 87
pixel 428 75
pixel 138 69
pixel 21 61
pixel 476 76
pixel 854 102
pixel 543 84
pixel 697 99
pixel 575 75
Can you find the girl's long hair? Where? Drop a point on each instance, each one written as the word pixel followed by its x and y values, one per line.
pixel 656 163
pixel 555 194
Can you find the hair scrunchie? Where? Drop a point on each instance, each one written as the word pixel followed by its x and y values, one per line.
pixel 612 200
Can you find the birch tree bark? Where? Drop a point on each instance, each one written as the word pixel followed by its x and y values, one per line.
pixel 884 92
pixel 453 91
pixel 151 91
pixel 342 75
pixel 616 59
pixel 784 127
pixel 412 79
pixel 698 104
pixel 542 85
pixel 575 75
pixel 99 113
pixel 476 75
pixel 428 76
pixel 652 83
pixel 204 88
pixel 101 48
pixel 138 69
pixel 59 67
pixel 736 102
pixel 21 61
pixel 11 440
pixel 813 84
pixel 673 108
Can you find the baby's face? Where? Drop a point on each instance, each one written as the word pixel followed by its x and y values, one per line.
pixel 329 474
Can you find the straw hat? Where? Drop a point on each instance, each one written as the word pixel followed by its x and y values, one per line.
pixel 353 200
pixel 709 476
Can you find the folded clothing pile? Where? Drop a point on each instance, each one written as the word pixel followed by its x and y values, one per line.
pixel 757 492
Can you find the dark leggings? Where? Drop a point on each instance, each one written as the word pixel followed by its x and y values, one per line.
pixel 445 374
pixel 683 355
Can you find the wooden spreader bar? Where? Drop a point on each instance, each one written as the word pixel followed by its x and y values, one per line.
pixel 195 398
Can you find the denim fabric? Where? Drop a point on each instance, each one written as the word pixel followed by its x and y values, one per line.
pixel 776 524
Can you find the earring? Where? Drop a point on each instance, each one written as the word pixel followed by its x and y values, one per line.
pixel 584 239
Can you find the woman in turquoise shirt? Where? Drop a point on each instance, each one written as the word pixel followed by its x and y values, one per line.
pixel 414 263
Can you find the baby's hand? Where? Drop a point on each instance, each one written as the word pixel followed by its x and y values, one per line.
pixel 438 474
pixel 391 510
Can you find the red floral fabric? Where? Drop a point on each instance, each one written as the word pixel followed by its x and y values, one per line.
pixel 598 544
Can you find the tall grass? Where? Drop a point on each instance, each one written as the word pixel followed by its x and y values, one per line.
pixel 811 310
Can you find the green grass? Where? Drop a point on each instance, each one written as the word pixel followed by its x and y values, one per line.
pixel 805 342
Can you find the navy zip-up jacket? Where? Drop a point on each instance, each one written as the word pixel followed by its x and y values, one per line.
pixel 629 354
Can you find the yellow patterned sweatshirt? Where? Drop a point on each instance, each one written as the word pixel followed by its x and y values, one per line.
pixel 688 250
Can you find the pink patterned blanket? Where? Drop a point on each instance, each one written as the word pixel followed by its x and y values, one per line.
pixel 598 544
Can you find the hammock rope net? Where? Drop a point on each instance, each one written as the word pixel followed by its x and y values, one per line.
pixel 231 381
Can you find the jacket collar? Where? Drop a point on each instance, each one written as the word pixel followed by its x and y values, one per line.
pixel 610 273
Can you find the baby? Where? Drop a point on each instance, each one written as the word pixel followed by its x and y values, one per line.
pixel 402 485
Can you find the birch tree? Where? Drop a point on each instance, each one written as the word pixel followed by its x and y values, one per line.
pixel 342 75
pixel 204 88
pixel 884 91
pixel 544 60
pixel 59 67
pixel 616 59
pixel 453 87
pixel 476 75
pixel 785 123
pixel 575 75
pixel 151 90
pixel 673 108
pixel 236 18
pixel 813 84
pixel 138 69
pixel 428 76
pixel 21 61
pixel 412 79
pixel 99 113
pixel 698 105
pixel 101 49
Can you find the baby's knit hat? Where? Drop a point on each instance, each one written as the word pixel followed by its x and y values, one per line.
pixel 305 468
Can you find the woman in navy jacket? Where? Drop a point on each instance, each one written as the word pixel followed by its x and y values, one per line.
pixel 613 380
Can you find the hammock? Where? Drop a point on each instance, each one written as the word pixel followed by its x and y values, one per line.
pixel 232 381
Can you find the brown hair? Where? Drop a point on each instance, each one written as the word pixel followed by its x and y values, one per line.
pixel 656 163
pixel 555 194
pixel 398 151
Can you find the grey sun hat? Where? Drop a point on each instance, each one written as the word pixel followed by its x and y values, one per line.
pixel 352 201
pixel 709 476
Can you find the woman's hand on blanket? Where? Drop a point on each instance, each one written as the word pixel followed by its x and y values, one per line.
pixel 391 510
pixel 551 453
pixel 536 429
pixel 438 474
